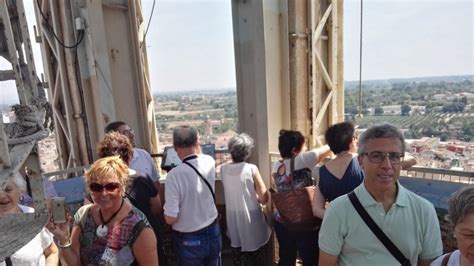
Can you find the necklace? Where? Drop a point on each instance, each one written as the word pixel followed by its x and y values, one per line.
pixel 102 229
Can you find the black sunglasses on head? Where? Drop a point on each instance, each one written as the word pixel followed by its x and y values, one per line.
pixel 109 187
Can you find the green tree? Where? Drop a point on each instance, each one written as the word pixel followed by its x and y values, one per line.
pixel 378 110
pixel 406 110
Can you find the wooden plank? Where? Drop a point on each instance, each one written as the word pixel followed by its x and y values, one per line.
pixel 332 63
pixel 323 109
pixel 12 53
pixel 322 23
pixel 324 72
pixel 339 78
pixel 31 88
pixel 7 75
pixel 5 161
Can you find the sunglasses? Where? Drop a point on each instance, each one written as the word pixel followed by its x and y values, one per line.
pixel 109 187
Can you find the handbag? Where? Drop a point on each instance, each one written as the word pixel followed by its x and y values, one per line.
pixel 295 205
pixel 377 231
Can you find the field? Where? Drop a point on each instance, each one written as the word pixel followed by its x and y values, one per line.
pixel 404 122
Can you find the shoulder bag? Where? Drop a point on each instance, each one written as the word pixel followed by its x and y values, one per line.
pixel 295 205
pixel 377 231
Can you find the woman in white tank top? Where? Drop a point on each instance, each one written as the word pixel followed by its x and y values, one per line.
pixel 244 192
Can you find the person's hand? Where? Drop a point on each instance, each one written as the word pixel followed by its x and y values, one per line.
pixel 60 231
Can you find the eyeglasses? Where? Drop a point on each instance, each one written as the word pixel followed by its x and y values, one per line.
pixel 379 157
pixel 109 187
pixel 128 131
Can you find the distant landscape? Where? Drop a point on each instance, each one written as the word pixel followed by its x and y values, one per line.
pixel 423 107
pixel 426 107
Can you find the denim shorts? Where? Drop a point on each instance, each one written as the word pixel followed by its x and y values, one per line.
pixel 202 247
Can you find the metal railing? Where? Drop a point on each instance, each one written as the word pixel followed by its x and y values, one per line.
pixel 440 174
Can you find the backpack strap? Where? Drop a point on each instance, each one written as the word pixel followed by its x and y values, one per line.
pixel 445 260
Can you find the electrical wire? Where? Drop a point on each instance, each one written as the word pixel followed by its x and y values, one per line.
pixel 149 22
pixel 80 37
pixel 360 59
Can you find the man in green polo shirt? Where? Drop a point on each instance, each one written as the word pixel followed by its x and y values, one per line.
pixel 408 220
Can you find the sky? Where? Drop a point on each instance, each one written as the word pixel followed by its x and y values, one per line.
pixel 190 42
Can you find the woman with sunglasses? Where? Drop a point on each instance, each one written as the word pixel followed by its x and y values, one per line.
pixel 141 190
pixel 110 231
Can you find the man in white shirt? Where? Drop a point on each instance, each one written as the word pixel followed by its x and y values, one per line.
pixel 190 203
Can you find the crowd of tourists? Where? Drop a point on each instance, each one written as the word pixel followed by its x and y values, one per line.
pixel 355 212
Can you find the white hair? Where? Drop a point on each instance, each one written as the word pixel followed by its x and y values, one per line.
pixel 19 181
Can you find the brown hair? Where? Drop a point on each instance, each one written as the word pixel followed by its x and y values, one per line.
pixel 113 144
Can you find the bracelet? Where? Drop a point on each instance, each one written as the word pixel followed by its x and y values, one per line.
pixel 68 244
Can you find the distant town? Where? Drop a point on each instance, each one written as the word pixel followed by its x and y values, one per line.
pixel 436 115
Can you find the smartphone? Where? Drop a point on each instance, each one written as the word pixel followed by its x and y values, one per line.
pixel 58 210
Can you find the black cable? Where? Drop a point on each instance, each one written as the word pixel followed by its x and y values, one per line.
pixel 149 22
pixel 360 59
pixel 81 32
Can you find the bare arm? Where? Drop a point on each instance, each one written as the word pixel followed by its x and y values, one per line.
pixel 260 187
pixel 155 206
pixel 318 204
pixel 61 233
pixel 323 152
pixel 144 248
pixel 51 253
pixel 170 220
pixel 408 161
pixel 326 259
pixel 160 190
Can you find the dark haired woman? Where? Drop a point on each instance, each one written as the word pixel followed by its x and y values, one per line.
pixel 291 146
pixel 343 173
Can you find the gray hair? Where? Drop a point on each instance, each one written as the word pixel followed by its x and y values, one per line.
pixel 185 136
pixel 240 146
pixel 19 182
pixel 380 131
pixel 461 204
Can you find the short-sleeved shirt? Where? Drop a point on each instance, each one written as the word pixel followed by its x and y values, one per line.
pixel 411 224
pixel 304 162
pixel 246 225
pixel 116 247
pixel 188 198
pixel 332 187
pixel 140 191
pixel 32 252
pixel 143 164
pixel 454 259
